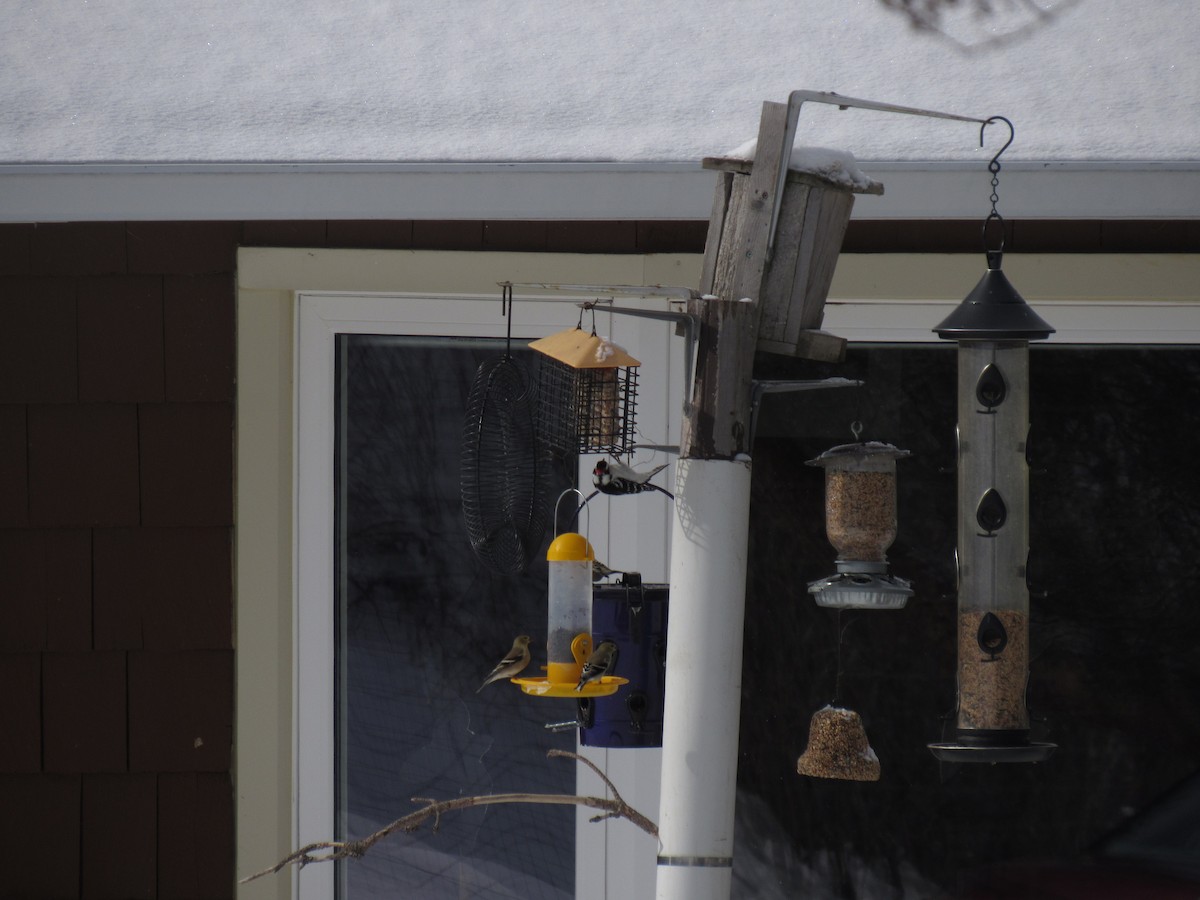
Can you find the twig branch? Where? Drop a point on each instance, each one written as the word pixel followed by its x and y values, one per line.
pixel 328 851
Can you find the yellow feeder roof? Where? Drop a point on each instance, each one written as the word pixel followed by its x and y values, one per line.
pixel 582 350
pixel 570 547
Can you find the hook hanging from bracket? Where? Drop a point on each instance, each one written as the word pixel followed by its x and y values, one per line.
pixel 994 168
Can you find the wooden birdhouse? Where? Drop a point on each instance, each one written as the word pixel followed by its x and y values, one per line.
pixel 778 221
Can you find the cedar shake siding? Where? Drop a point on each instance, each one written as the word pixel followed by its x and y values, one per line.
pixel 116 515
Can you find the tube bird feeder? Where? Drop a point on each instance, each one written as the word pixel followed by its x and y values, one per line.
pixel 993 327
pixel 569 623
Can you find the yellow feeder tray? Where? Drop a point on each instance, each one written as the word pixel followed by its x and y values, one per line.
pixel 566 676
pixel 544 687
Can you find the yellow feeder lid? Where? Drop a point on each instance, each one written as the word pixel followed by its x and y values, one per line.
pixel 582 350
pixel 570 547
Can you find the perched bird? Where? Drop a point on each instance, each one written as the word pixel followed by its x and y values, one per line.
pixel 515 660
pixel 602 662
pixel 617 478
pixel 600 571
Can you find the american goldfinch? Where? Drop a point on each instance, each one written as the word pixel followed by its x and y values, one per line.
pixel 617 478
pixel 515 660
pixel 602 662
pixel 601 571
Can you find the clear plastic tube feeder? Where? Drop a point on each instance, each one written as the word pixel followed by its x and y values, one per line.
pixel 569 623
pixel 860 522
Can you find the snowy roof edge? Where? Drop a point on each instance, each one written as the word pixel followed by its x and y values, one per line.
pixel 56 192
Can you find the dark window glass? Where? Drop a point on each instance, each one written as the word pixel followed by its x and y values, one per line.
pixel 420 623
pixel 1115 668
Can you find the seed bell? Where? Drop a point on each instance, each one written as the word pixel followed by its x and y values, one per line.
pixel 838 747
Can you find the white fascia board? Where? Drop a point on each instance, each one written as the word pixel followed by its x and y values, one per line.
pixel 565 191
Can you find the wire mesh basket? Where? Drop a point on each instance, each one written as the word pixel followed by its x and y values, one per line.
pixel 587 394
pixel 587 410
pixel 505 468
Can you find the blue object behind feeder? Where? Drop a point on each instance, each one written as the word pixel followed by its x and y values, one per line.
pixel 634 616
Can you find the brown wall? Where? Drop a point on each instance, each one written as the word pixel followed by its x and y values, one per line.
pixel 116 477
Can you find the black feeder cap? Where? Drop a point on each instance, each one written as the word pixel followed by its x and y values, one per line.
pixel 993 311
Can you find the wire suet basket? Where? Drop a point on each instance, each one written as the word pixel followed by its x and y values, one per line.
pixel 587 394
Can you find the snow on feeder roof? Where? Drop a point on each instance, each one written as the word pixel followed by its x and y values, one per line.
pixel 580 349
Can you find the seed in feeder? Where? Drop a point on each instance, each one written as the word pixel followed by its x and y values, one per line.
pixel 603 411
pixel 860 513
pixel 838 747
pixel 991 686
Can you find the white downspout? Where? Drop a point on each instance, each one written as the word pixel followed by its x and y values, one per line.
pixel 709 543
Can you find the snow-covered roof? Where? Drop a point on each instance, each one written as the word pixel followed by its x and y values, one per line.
pixel 603 82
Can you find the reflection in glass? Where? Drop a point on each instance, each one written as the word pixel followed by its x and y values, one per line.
pixel 420 622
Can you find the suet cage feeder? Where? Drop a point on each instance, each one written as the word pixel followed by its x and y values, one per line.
pixel 587 393
pixel 569 623
pixel 838 747
pixel 993 327
pixel 861 524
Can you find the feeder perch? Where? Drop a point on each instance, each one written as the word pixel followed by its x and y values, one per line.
pixel 860 522
pixel 588 393
pixel 838 747
pixel 569 623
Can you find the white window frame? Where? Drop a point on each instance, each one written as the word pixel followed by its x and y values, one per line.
pixel 290 304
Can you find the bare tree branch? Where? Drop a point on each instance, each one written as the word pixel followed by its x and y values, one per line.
pixel 328 851
pixel 927 16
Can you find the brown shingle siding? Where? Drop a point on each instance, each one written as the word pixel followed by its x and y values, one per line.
pixel 286 233
pixel 370 234
pixel 195 844
pixel 180 711
pixel 46 583
pixel 84 712
pixel 198 333
pixel 21 715
pixel 183 248
pixel 118 843
pixel 163 588
pixel 121 339
pixel 78 248
pixel 186 463
pixel 46 833
pixel 83 464
pixel 38 344
pixel 14 466
pixel 16 247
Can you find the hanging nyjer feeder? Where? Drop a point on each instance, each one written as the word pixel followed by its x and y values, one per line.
pixel 588 393
pixel 569 623
pixel 860 522
pixel 993 327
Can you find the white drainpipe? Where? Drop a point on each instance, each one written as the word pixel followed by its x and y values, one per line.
pixel 704 679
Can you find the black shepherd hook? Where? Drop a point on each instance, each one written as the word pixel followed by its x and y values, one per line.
pixel 994 168
pixel 506 299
